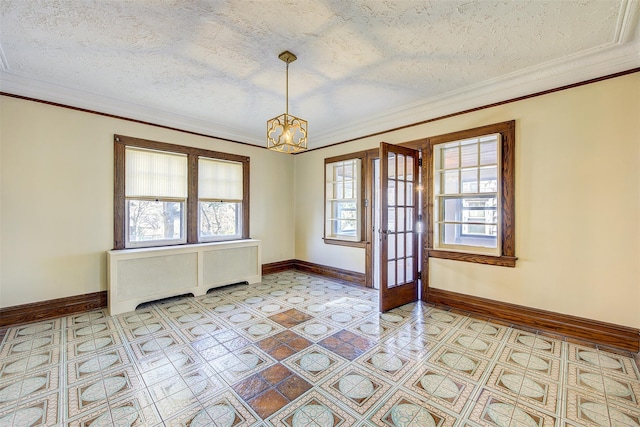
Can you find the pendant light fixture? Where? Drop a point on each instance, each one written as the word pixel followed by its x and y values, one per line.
pixel 287 133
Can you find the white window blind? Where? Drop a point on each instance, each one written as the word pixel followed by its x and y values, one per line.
pixel 219 180
pixel 155 174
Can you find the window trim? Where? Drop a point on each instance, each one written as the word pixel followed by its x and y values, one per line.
pixel 507 256
pixel 361 239
pixel 119 199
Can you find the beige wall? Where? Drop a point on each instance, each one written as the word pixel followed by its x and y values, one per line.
pixel 577 204
pixel 56 187
pixel 577 201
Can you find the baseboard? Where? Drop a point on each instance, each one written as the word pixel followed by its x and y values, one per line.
pixel 339 274
pixel 43 310
pixel 603 333
pixel 277 267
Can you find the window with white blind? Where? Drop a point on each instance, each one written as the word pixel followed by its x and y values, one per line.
pixel 219 199
pixel 156 195
pixel 343 200
pixel 168 194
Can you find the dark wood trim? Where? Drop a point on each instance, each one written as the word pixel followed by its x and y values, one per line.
pixel 43 310
pixel 278 266
pixel 483 107
pixel 192 153
pixel 507 257
pixel 359 244
pixel 334 273
pixel 362 155
pixel 501 261
pixel 602 333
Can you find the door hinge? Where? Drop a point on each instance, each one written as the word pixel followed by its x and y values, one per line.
pixel 420 161
pixel 420 218
pixel 366 203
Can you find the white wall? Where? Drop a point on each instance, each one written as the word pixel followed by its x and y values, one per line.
pixel 577 204
pixel 56 208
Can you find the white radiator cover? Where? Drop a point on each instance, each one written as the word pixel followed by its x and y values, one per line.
pixel 141 275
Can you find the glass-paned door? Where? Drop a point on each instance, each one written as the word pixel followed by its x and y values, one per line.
pixel 399 177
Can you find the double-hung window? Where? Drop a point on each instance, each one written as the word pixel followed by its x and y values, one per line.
pixel 343 199
pixel 219 199
pixel 168 194
pixel 466 196
pixel 472 195
pixel 156 196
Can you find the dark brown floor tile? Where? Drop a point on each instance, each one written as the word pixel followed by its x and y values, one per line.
pixel 267 403
pixel 279 317
pixel 250 387
pixel 361 343
pixel 281 352
pixel 299 343
pixel 330 343
pixel 345 336
pixel 348 351
pixel 293 387
pixel 276 373
pixel 268 344
pixel 286 336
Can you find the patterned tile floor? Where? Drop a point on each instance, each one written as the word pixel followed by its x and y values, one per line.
pixel 301 350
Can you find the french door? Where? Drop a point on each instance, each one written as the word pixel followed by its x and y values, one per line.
pixel 399 178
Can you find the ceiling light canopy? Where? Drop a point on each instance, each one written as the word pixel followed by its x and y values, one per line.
pixel 287 133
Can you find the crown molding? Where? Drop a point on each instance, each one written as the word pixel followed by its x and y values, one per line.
pixel 58 94
pixel 610 59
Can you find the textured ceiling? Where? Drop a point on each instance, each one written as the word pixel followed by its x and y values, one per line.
pixel 363 66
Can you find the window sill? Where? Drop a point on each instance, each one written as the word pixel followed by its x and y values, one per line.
pixel 501 261
pixel 359 244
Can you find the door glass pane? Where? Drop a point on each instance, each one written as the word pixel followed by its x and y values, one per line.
pixel 391 246
pixel 400 245
pixel 391 223
pixel 391 274
pixel 409 192
pixel 409 269
pixel 401 274
pixel 392 165
pixel 409 168
pixel 409 219
pixel 401 166
pixel 391 192
pixel 401 221
pixel 409 241
pixel 401 193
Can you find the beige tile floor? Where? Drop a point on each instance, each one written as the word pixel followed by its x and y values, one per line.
pixel 301 350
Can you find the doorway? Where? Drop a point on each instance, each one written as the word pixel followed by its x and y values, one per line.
pixel 395 233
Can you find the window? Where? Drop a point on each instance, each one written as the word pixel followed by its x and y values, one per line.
pixel 156 195
pixel 343 199
pixel 169 194
pixel 472 195
pixel 219 199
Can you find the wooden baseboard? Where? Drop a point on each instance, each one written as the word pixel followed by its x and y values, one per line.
pixel 339 274
pixel 622 337
pixel 43 310
pixel 276 267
